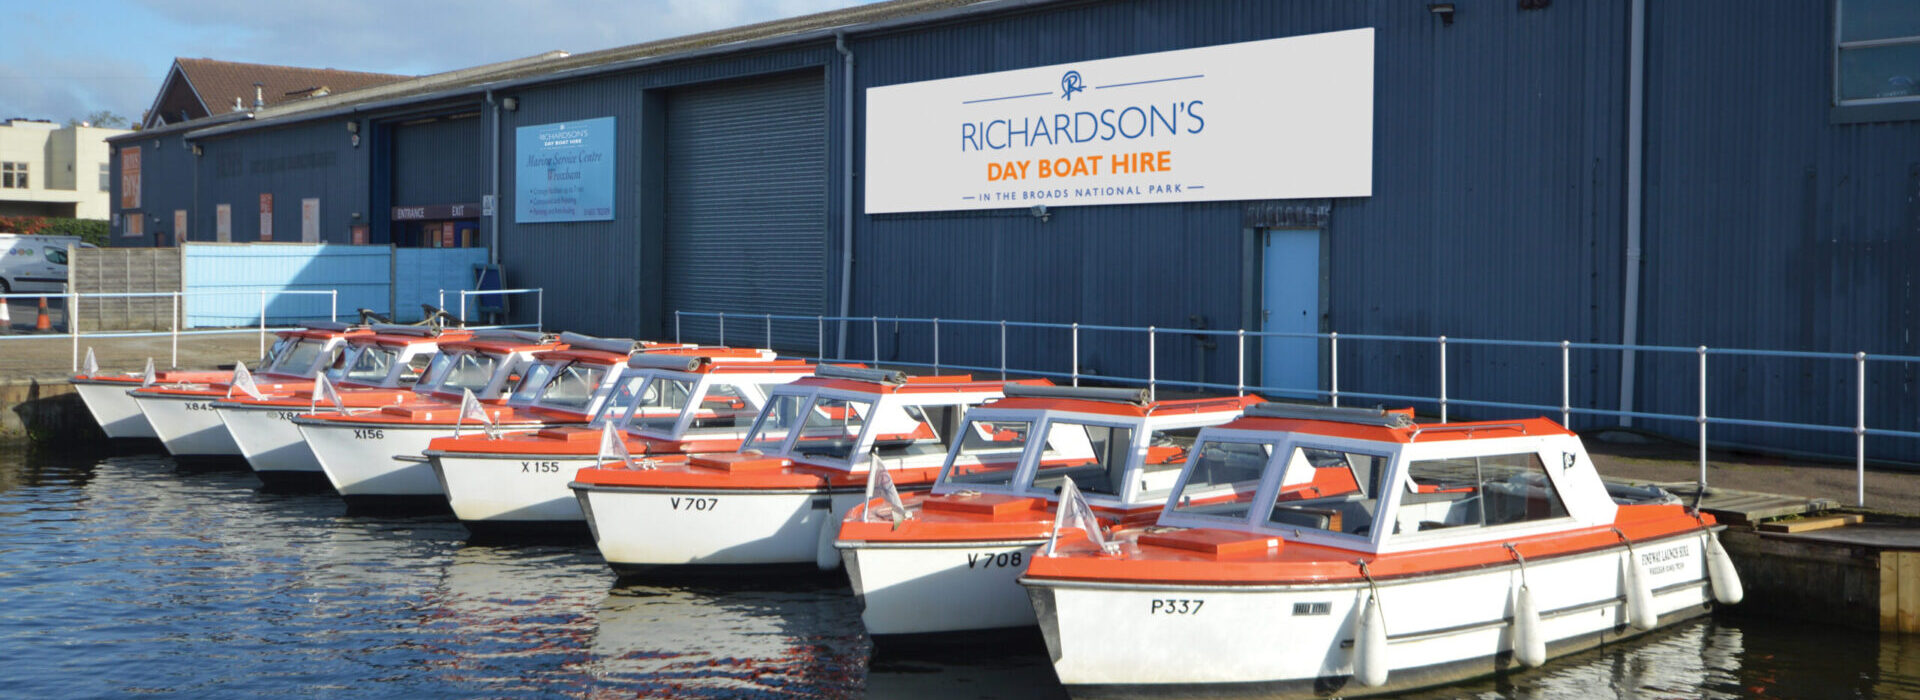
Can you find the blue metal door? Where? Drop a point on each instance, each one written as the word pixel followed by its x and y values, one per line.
pixel 1291 304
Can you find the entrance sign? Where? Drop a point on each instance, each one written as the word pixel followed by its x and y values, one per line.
pixel 564 171
pixel 1273 119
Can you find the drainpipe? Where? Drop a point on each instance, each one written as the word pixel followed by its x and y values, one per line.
pixel 846 185
pixel 1636 148
pixel 493 222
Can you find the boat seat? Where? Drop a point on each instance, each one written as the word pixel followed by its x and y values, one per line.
pixel 1348 513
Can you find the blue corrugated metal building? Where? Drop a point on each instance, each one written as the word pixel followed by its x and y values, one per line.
pixel 1709 172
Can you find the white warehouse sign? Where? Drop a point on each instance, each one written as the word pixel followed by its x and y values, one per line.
pixel 1274 119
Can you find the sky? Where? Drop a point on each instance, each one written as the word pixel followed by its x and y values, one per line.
pixel 71 58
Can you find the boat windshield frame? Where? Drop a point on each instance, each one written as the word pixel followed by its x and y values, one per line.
pixel 323 358
pixel 596 395
pixel 358 351
pixel 857 452
pixel 696 388
pixel 944 483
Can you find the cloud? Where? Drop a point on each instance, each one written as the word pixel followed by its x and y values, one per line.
pixel 79 56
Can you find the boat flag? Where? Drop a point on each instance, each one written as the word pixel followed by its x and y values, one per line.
pixel 91 367
pixel 879 482
pixel 470 408
pixel 324 390
pixel 243 380
pixel 612 448
pixel 1074 512
pixel 146 376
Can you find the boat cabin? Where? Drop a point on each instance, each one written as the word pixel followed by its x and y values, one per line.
pixel 1121 449
pixel 706 395
pixel 490 364
pixel 393 356
pixel 1377 482
pixel 841 418
pixel 303 353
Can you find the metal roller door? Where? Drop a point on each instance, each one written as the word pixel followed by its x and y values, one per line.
pixel 746 213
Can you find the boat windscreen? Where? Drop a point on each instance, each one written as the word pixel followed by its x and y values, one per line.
pixel 989 453
pixel 660 405
pixel 1222 478
pixel 469 371
pixel 572 386
pixel 1330 490
pixel 831 428
pixel 1094 456
pixel 776 421
pixel 280 345
pixel 299 359
pixel 616 405
pixel 370 365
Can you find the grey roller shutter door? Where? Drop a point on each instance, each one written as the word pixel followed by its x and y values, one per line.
pixel 747 207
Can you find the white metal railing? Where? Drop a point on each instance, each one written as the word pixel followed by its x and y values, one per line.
pixel 175 316
pixel 1333 391
pixel 539 305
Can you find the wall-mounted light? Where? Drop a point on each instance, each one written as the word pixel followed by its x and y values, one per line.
pixel 510 103
pixel 353 127
pixel 1039 211
pixel 1443 10
pixel 196 149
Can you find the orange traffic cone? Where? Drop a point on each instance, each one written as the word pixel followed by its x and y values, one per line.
pixel 43 323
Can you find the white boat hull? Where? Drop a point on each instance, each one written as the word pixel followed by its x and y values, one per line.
pixel 116 412
pixel 376 461
pixel 639 529
pixel 187 425
pixel 925 588
pixel 485 490
pixel 269 440
pixel 1289 641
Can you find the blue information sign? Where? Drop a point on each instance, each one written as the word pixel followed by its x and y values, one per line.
pixel 565 171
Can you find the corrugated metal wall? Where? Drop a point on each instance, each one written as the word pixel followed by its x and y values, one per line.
pixel 166 184
pixel 1499 223
pixel 439 160
pixel 746 201
pixel 315 159
pixel 1769 226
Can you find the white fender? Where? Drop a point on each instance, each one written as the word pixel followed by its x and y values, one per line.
pixel 1640 612
pixel 1370 646
pixel 824 555
pixel 1726 580
pixel 1529 647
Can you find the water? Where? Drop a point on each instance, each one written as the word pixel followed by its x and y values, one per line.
pixel 120 575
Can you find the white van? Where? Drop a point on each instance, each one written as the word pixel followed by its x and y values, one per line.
pixel 34 263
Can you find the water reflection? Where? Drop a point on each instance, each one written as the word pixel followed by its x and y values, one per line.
pixel 120 575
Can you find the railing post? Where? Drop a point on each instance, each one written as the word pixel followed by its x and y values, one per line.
pixel 1076 354
pixel 1566 385
pixel 1443 379
pixel 676 326
pixel 936 345
pixel 1153 379
pixel 540 309
pixel 333 305
pixel 769 331
pixel 876 341
pixel 73 324
pixel 442 300
pixel 263 323
pixel 1240 378
pixel 1003 349
pixel 463 307
pixel 175 333
pixel 1333 367
pixel 723 329
pixel 1860 429
pixel 1703 419
pixel 820 337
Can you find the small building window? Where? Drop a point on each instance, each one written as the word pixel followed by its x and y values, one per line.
pixel 1877 57
pixel 106 177
pixel 13 176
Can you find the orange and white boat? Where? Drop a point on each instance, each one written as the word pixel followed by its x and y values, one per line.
pixel 779 499
pixel 106 398
pixel 379 369
pixel 951 561
pixel 688 400
pixel 182 413
pixel 1436 553
pixel 373 458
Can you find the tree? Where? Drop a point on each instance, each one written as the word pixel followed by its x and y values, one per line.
pixel 102 118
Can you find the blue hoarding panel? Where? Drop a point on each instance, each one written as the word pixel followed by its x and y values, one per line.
pixel 225 283
pixel 420 274
pixel 565 171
